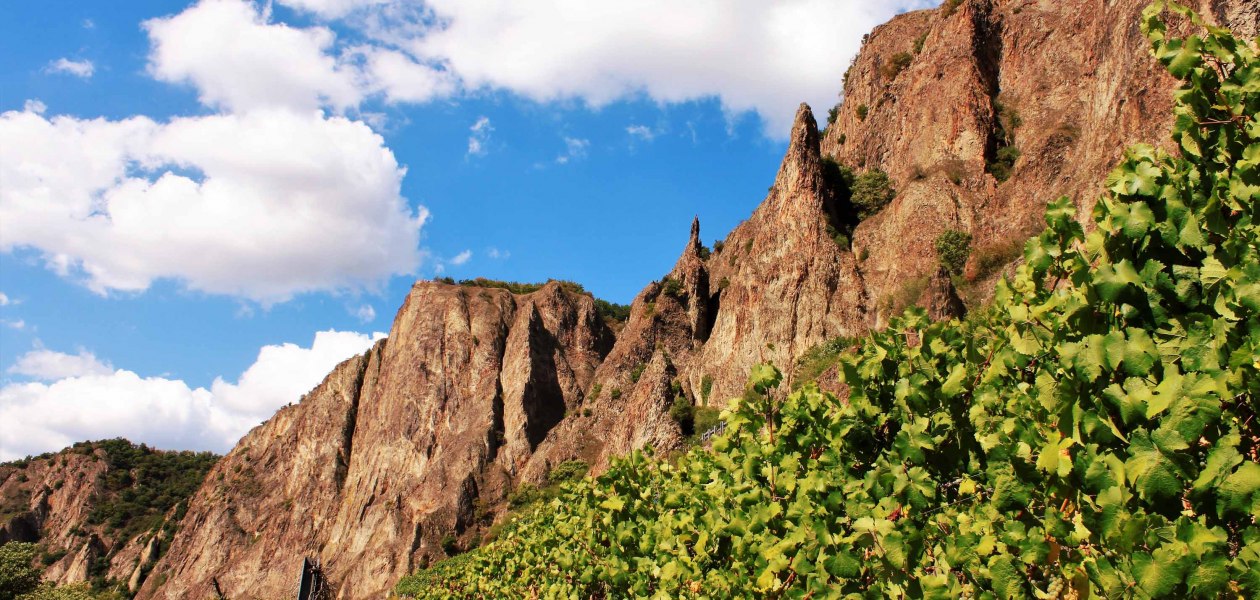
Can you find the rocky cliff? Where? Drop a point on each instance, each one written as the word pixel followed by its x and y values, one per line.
pixel 980 112
pixel 395 450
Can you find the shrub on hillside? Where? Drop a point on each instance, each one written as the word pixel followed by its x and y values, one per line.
pixel 17 573
pixel 1003 163
pixel 872 191
pixel 952 248
pixel 896 65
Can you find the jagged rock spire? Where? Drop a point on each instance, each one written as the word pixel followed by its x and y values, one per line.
pixel 694 242
pixel 798 188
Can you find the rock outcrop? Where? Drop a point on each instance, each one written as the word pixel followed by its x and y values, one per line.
pixel 479 390
pixel 936 95
pixel 395 450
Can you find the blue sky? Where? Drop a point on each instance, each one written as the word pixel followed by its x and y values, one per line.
pixel 190 192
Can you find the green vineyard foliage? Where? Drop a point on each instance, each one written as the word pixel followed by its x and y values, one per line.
pixel 1093 435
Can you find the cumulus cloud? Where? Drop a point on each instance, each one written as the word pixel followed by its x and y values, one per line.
pixel 78 68
pixel 237 60
pixel 239 204
pixel 5 300
pixel 480 136
pixel 167 413
pixel 751 54
pixel 48 365
pixel 461 258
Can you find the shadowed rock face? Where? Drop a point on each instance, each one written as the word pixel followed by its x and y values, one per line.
pixel 478 390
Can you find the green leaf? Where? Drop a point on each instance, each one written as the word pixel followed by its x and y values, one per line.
pixel 1237 492
pixel 1157 575
pixel 613 503
pixel 1110 280
pixel 1223 457
pixel 764 377
pixel 1181 57
pixel 954 384
pixel 1153 475
pixel 1007 581
pixel 1054 457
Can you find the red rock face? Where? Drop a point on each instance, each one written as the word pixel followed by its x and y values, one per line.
pixel 477 390
pixel 393 451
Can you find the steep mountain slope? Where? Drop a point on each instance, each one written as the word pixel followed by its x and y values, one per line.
pixel 479 390
pixel 100 511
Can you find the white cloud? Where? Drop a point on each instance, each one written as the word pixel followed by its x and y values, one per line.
pixel 365 313
pixel 574 148
pixel 243 202
pixel 399 78
pixel 18 324
pixel 461 258
pixel 166 413
pixel 282 373
pixel 34 106
pixel 228 204
pixel 480 136
pixel 89 24
pixel 642 132
pixel 331 9
pixel 5 300
pixel 497 254
pixel 239 61
pixel 753 55
pixel 47 365
pixel 78 68
pixel 40 417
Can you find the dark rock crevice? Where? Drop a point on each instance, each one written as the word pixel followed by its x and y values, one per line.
pixel 346 447
pixel 987 49
pixel 543 400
